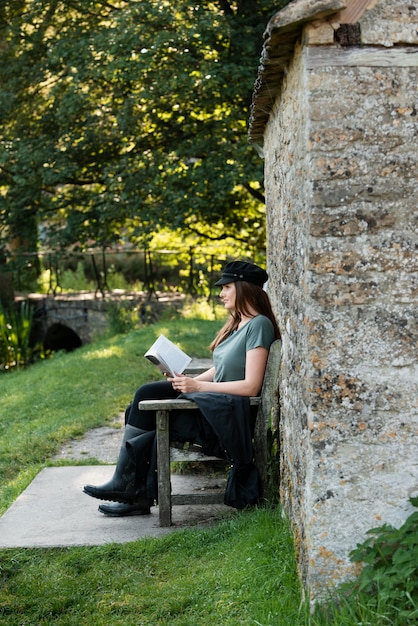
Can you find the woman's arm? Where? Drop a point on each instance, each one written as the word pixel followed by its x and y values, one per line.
pixel 255 366
pixel 208 375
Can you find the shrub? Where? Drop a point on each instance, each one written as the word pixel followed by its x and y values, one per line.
pixel 386 590
pixel 15 331
pixel 390 572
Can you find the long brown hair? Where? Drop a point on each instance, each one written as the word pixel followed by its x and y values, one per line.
pixel 248 297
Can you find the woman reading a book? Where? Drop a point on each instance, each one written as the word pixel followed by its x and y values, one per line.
pixel 240 352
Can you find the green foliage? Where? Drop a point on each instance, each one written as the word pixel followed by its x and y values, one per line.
pixel 124 317
pixel 15 330
pixel 68 281
pixel 390 572
pixel 273 463
pixel 75 280
pixel 197 308
pixel 121 118
pixel 386 590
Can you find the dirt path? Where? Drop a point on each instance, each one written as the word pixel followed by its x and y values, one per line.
pixel 101 443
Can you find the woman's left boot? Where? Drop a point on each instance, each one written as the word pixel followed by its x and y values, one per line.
pixel 122 487
pixel 140 506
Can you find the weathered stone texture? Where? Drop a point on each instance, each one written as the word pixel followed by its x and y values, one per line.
pixel 341 186
pixel 390 22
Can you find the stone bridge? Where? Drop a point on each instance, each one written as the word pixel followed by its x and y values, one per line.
pixel 66 322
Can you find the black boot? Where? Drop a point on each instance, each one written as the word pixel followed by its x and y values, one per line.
pixel 140 506
pixel 122 486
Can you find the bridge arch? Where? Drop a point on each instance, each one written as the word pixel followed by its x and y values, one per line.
pixel 61 337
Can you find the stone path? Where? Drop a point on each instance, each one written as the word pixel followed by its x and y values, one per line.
pixel 101 443
pixel 54 512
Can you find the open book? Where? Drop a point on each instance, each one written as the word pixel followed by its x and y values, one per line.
pixel 167 356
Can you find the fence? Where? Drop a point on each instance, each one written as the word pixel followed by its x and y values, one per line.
pixel 190 271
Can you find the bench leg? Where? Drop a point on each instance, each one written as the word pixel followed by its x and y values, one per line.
pixel 163 468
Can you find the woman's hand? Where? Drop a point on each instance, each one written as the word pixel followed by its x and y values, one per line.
pixel 185 384
pixel 255 366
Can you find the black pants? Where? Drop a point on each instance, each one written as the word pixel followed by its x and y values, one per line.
pixel 184 425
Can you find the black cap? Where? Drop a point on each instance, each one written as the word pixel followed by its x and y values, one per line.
pixel 241 270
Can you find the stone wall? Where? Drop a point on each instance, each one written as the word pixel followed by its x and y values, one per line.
pixel 80 314
pixel 342 185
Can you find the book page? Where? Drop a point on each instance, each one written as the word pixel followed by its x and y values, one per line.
pixel 167 356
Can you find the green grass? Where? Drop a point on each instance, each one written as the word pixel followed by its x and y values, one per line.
pixel 239 572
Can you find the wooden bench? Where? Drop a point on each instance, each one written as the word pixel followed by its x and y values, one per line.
pixel 266 422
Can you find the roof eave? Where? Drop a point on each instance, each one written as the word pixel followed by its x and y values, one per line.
pixel 280 37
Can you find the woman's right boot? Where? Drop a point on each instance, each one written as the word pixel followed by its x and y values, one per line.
pixel 122 487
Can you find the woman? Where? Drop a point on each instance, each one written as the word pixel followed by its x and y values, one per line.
pixel 240 352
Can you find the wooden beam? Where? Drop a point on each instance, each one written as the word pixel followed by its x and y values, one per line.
pixel 353 12
pixel 362 57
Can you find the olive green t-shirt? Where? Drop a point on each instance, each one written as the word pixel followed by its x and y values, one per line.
pixel 229 356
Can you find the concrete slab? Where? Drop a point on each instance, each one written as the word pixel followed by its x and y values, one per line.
pixel 54 512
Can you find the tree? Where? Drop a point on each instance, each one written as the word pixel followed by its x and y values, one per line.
pixel 121 117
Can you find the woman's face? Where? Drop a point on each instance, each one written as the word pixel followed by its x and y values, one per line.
pixel 228 296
